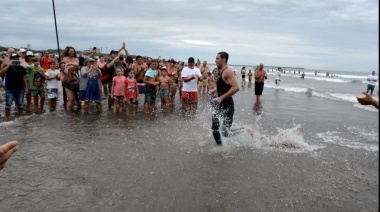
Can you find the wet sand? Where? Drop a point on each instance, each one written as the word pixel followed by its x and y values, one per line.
pixel 167 162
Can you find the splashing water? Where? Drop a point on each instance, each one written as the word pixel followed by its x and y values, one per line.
pixel 287 138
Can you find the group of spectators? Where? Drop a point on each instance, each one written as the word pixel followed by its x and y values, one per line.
pixel 118 77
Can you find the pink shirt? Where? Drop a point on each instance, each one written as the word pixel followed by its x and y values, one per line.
pixel 119 85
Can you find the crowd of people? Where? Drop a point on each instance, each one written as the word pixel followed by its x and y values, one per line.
pixel 25 76
pixel 117 77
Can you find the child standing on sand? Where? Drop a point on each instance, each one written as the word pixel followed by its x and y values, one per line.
pixel 165 83
pixel 36 85
pixel 52 77
pixel 131 93
pixel 151 85
pixel 118 90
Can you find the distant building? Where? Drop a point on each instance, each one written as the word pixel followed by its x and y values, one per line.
pixel 28 46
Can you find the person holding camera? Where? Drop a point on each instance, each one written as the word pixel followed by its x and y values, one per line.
pixel 15 85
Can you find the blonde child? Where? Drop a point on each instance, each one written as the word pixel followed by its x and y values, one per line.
pixel 118 89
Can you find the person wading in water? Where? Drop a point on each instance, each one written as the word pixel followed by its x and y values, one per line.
pixel 226 86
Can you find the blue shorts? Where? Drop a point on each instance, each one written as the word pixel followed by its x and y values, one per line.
pixel 141 87
pixel 150 94
pixel 213 96
pixel 164 92
pixel 17 95
pixel 36 92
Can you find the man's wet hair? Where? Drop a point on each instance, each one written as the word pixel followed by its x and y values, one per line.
pixel 224 55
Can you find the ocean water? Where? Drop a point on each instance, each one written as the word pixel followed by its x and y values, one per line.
pixel 314 148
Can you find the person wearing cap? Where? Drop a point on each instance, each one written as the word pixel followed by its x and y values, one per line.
pixel 190 76
pixel 15 85
pixel 22 53
pixel 226 86
pixel 90 85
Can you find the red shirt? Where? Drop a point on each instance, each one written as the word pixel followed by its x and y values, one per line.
pixel 131 89
pixel 45 62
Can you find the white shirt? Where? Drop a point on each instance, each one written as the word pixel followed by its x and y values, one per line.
pixel 190 86
pixel 278 75
pixel 53 83
pixel 372 79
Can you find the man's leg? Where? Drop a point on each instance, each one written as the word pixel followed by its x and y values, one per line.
pixel 19 97
pixel 228 118
pixel 215 128
pixel 42 102
pixel 64 97
pixel 9 96
pixel 185 101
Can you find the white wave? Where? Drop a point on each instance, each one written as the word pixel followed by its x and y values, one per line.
pixel 334 138
pixel 286 88
pixel 7 123
pixel 352 76
pixel 366 107
pixel 345 97
pixel 364 133
pixel 332 80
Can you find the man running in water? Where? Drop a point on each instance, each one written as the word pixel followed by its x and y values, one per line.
pixel 226 86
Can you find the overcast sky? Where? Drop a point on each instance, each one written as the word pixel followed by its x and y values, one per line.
pixel 320 34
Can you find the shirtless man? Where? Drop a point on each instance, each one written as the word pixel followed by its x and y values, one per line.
pixel 203 86
pixel 165 88
pixel 243 75
pixel 139 70
pixel 260 76
pixel 173 74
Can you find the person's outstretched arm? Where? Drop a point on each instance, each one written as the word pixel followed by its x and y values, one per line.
pixel 367 99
